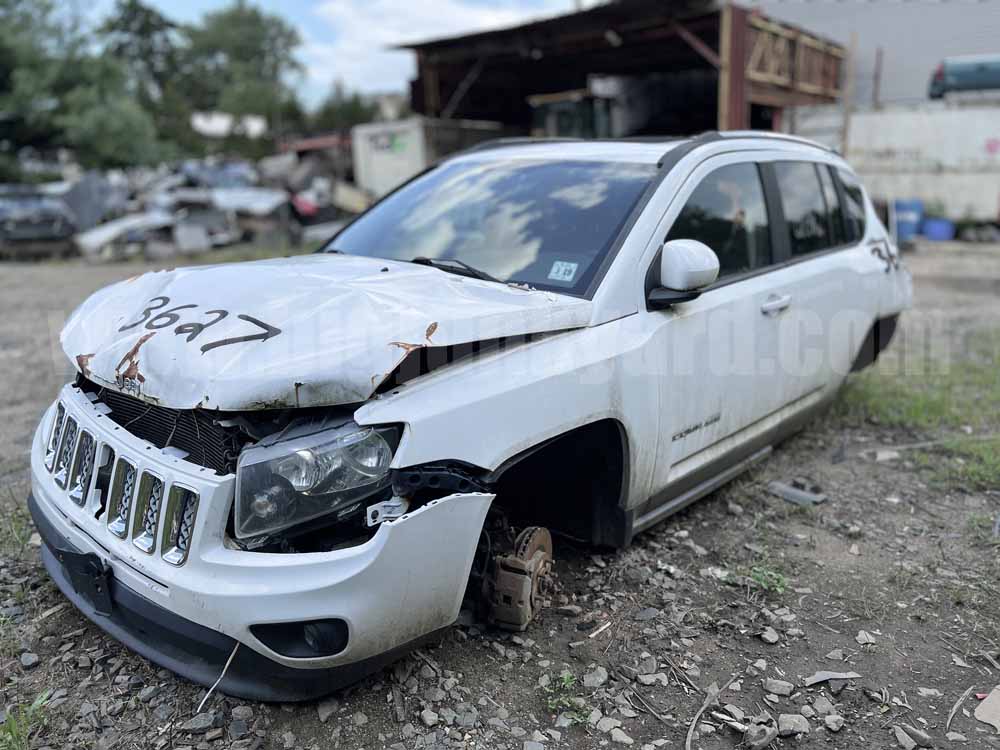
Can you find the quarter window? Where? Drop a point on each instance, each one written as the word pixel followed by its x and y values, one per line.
pixel 854 205
pixel 804 206
pixel 835 217
pixel 727 212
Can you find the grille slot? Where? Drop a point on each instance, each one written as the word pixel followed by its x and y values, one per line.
pixel 182 506
pixel 83 469
pixel 193 431
pixel 51 448
pixel 122 492
pixel 103 482
pixel 146 517
pixel 67 444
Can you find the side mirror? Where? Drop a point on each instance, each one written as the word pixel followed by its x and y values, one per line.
pixel 686 267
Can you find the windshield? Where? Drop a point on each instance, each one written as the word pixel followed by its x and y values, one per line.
pixel 545 223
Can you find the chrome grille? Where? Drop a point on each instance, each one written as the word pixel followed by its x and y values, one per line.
pixel 67 443
pixel 83 469
pixel 122 492
pixel 147 512
pixel 51 447
pixel 182 506
pixel 128 492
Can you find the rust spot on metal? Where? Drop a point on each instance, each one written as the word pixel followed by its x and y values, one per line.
pixel 83 362
pixel 430 331
pixel 127 374
pixel 406 347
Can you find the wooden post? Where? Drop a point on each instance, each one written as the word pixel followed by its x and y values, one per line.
pixel 732 113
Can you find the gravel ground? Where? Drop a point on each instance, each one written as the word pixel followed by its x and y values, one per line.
pixel 895 578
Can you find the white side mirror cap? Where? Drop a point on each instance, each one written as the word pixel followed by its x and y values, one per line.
pixel 686 265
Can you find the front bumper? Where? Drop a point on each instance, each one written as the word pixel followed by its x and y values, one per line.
pixel 406 582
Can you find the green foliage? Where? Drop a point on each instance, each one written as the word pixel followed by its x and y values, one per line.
pixel 769 579
pixel 22 723
pixel 559 698
pixel 341 110
pixel 125 94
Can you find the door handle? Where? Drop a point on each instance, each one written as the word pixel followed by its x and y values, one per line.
pixel 776 304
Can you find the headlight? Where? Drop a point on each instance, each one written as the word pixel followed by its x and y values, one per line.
pixel 301 478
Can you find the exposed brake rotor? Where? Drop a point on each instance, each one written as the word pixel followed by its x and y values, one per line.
pixel 513 590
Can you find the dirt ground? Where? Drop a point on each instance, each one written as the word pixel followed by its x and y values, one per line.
pixel 896 577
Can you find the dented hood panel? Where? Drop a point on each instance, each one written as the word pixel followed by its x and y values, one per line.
pixel 315 330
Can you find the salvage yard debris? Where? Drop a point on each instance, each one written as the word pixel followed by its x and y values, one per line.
pixel 799 492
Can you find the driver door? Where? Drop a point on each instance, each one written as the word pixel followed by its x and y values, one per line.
pixel 720 351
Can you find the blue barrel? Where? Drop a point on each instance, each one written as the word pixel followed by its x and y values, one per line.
pixel 939 230
pixel 909 214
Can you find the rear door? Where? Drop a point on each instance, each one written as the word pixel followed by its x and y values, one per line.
pixel 828 282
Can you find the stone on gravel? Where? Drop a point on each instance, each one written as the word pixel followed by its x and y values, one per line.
pixel 837 654
pixel 617 735
pixel 29 660
pixel 834 722
pixel 761 732
pixel 359 719
pixel 778 687
pixel 792 724
pixel 988 711
pixel 429 718
pixel 649 613
pixel 570 610
pixel 606 724
pixel 596 678
pixel 770 635
pixel 149 692
pixel 904 739
pixel 199 724
pixel 325 709
pixel 243 713
pixel 824 676
pixel 864 638
pixel 238 729
pixel 823 706
pixel 956 737
pixel 919 736
pixel 532 745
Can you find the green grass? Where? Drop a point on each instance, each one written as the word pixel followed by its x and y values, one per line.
pixel 937 402
pixel 560 698
pixel 15 530
pixel 768 578
pixel 22 723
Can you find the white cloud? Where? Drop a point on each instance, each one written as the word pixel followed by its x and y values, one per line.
pixel 361 31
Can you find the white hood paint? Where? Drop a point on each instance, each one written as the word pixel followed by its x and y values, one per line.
pixel 345 323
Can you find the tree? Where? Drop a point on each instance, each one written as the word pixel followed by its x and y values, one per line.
pixel 240 61
pixel 340 110
pixel 147 44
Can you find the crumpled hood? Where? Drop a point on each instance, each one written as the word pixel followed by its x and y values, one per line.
pixel 314 330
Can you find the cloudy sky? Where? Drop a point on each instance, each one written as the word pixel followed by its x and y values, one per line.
pixel 347 39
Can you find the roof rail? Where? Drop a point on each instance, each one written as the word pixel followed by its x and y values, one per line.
pixel 770 134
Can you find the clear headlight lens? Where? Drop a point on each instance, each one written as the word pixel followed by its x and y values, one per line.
pixel 299 479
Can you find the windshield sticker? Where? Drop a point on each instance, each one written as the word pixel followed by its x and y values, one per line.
pixel 563 270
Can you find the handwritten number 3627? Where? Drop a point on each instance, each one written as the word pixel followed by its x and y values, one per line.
pixel 166 318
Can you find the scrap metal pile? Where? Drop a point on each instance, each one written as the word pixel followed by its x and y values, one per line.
pixel 186 209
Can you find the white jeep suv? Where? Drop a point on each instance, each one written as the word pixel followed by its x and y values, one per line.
pixel 297 469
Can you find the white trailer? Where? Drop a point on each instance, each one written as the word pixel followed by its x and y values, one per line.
pixel 386 154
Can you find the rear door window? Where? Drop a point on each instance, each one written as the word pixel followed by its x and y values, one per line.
pixel 727 212
pixel 834 214
pixel 804 207
pixel 854 205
